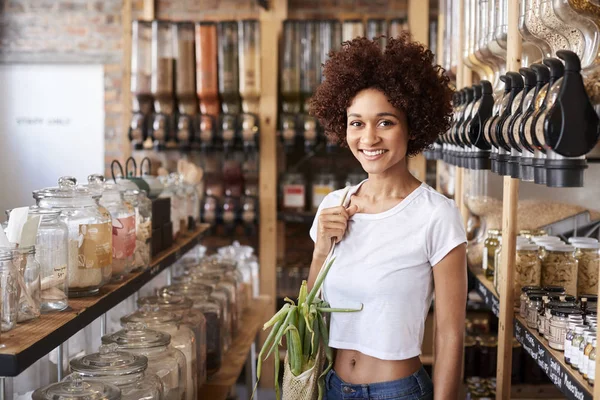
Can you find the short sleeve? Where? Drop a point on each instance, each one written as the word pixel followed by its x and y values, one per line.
pixel 445 231
pixel 328 201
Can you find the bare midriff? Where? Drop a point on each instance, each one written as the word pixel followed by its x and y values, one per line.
pixel 357 368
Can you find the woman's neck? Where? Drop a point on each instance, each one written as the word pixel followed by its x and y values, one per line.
pixel 394 183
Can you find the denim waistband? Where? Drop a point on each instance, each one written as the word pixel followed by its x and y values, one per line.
pixel 418 383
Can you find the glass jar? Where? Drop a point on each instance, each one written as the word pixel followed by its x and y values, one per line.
pixel 523 299
pixel 586 357
pixel 528 269
pixel 559 267
pixel 489 251
pixel 323 184
pixel 9 290
pixel 585 298
pixel 77 388
pixel 534 305
pixel 247 266
pixel 182 339
pixel 123 229
pixel 213 314
pixel 570 31
pixel 578 339
pixel 528 36
pixel 177 202
pixel 142 206
pixel 533 21
pixel 589 335
pixel 182 307
pixel 558 325
pixel 125 370
pixel 574 330
pixel 29 289
pixel 293 188
pixel 163 360
pixel 588 258
pixel 489 355
pixel 592 365
pixel 52 254
pixel 90 235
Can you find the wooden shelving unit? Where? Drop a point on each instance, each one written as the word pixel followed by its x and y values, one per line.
pixel 29 341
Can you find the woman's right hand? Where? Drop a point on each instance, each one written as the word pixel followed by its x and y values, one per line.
pixel 333 223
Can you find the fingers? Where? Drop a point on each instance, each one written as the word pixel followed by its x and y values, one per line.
pixel 335 211
pixel 353 209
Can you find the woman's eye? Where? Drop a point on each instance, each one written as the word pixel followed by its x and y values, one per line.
pixel 355 123
pixel 386 123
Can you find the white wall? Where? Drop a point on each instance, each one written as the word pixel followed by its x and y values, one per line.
pixel 51 124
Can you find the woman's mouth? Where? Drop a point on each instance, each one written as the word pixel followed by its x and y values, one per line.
pixel 372 155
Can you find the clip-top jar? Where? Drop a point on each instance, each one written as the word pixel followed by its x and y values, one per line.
pixel 163 360
pixel 78 389
pixel 588 257
pixel 559 267
pixel 9 292
pixel 182 338
pixel 125 370
pixel 142 207
pixel 90 234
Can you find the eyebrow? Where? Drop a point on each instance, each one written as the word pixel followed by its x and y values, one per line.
pixel 383 114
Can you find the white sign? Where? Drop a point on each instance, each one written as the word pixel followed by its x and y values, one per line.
pixel 51 124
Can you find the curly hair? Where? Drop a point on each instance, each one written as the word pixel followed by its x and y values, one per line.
pixel 404 72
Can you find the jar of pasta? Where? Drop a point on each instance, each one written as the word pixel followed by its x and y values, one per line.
pixel 559 267
pixel 528 269
pixel 588 257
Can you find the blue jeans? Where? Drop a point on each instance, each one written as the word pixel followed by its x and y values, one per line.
pixel 418 386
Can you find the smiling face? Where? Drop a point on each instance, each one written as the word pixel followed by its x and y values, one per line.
pixel 376 132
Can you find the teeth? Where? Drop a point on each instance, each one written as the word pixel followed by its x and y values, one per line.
pixel 373 153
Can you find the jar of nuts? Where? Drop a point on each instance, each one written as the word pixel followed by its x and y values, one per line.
pixel 588 256
pixel 559 267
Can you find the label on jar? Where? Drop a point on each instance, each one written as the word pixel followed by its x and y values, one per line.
pixel 59 272
pixel 94 246
pixel 228 216
pixel 591 369
pixel 293 196
pixel 484 260
pixel 123 234
pixel 319 193
pixel 248 216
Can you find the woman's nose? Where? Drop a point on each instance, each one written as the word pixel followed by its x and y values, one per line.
pixel 369 136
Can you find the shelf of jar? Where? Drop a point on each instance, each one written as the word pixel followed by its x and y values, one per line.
pixel 569 381
pixel 299 217
pixel 24 345
pixel 234 360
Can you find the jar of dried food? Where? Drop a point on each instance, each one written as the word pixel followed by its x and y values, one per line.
pixel 588 257
pixel 125 370
pixel 163 360
pixel 182 338
pixel 559 267
pixel 573 330
pixel 488 356
pixel 123 228
pixel 585 298
pixel 29 288
pixel 589 336
pixel 578 338
pixel 52 254
pixel 142 206
pixel 90 234
pixel 78 389
pixel 528 269
pixel 523 299
pixel 490 245
pixel 293 190
pixel 9 290
pixel 592 364
pixel 213 314
pixel 182 307
pixel 534 305
pixel 322 185
pixel 559 323
pixel 586 357
pixel 472 353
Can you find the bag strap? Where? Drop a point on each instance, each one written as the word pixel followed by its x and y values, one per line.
pixel 342 203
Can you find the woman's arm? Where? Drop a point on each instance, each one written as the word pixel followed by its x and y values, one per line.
pixel 450 280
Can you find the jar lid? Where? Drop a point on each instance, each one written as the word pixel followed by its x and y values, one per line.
pixel 530 288
pixel 44 213
pixel 67 188
pixel 553 289
pixel 470 341
pixel 582 239
pixel 587 245
pixel 559 247
pixel 167 301
pixel 77 388
pixel 540 239
pixel 565 311
pixel 561 304
pixel 580 328
pixel 562 297
pixel 526 246
pixel 535 296
pixel 137 336
pixel 109 361
pixel 589 297
pixel 185 288
pixel 151 315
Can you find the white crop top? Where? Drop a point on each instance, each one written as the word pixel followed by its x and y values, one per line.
pixel 385 262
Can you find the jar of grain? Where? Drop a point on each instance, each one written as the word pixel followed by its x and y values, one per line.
pixel 559 267
pixel 528 269
pixel 559 323
pixel 489 251
pixel 588 257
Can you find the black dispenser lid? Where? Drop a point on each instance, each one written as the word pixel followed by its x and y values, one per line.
pixel 484 112
pixel 557 69
pixel 571 127
pixel 507 82
pixel 542 73
pixel 516 80
pixel 476 91
pixel 529 77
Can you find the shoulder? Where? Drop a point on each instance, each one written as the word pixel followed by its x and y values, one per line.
pixel 333 199
pixel 433 202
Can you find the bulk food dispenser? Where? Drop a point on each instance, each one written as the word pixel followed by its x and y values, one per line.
pixel 376 28
pixel 249 81
pixel 185 69
pixel 228 78
pixel 511 131
pixel 290 83
pixel 163 53
pixel 309 65
pixel 141 72
pixel 510 106
pixel 207 88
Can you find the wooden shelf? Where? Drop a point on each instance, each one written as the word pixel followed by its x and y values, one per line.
pixel 218 386
pixel 566 379
pixel 29 341
pixel 304 217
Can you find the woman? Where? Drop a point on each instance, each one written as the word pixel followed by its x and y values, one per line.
pixel 396 238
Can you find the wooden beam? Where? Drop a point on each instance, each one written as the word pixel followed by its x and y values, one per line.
pixel 271 23
pixel 418 18
pixel 125 146
pixel 149 12
pixel 509 233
